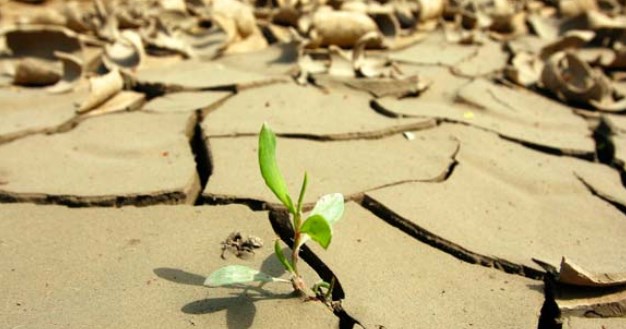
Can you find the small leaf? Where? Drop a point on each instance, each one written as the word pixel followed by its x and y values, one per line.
pixel 318 228
pixel 305 182
pixel 269 167
pixel 330 206
pixel 281 257
pixel 233 274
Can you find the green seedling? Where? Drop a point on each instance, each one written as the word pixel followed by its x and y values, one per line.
pixel 316 226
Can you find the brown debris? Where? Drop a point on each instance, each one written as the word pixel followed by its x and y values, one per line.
pixel 35 72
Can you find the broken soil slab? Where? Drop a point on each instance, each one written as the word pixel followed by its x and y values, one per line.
pixel 593 323
pixel 508 204
pixel 591 302
pixel 124 101
pixel 488 59
pixel 118 159
pixel 26 111
pixel 394 281
pixel 194 74
pixel 278 59
pixel 139 267
pixel 512 113
pixel 349 167
pixel 186 101
pixel 304 111
pixel 435 50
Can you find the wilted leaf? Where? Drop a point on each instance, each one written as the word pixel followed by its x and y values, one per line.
pixel 318 229
pixel 234 274
pixel 269 167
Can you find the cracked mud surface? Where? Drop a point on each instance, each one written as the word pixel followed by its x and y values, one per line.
pixel 465 184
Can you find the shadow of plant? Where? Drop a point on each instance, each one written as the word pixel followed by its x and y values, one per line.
pixel 239 305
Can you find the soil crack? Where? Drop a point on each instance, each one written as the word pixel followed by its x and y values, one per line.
pixel 202 156
pixel 446 246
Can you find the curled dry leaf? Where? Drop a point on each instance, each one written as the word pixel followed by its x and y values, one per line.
pixel 572 8
pixel 174 5
pixel 572 79
pixel 102 88
pixel 36 72
pixel 126 52
pixel 72 73
pixel 41 41
pixel 157 35
pixel 570 40
pixel 430 9
pixel 74 17
pixel 573 274
pixel 340 28
pixel 237 20
pixel 525 69
pixel 385 18
pixel 341 64
pixel 373 66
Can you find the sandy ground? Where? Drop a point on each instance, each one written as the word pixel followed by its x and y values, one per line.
pixel 455 196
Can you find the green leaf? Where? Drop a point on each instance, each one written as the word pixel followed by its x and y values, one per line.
pixel 269 167
pixel 329 206
pixel 233 274
pixel 281 257
pixel 318 229
pixel 305 182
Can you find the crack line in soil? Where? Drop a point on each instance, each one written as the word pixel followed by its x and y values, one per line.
pixel 202 156
pixel 596 193
pixel 444 245
pixel 373 134
pixel 281 224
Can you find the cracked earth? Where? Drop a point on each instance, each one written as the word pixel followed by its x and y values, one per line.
pixel 128 153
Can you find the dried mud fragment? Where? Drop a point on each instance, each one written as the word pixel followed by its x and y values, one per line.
pixel 340 28
pixel 72 73
pixel 238 22
pixel 124 101
pixel 573 80
pixel 430 9
pixel 516 114
pixel 591 302
pixel 119 169
pixel 195 75
pixel 571 273
pixel 356 165
pixel 529 189
pixel 126 52
pixel 405 273
pixel 525 69
pixel 101 89
pixel 187 101
pixel 41 41
pixel 572 8
pixel 35 73
pixel 388 87
pixel 304 112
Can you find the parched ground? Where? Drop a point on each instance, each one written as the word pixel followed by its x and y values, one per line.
pixel 465 186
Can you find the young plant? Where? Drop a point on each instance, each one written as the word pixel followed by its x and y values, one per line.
pixel 316 226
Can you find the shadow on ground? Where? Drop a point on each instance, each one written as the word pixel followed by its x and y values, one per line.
pixel 239 305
